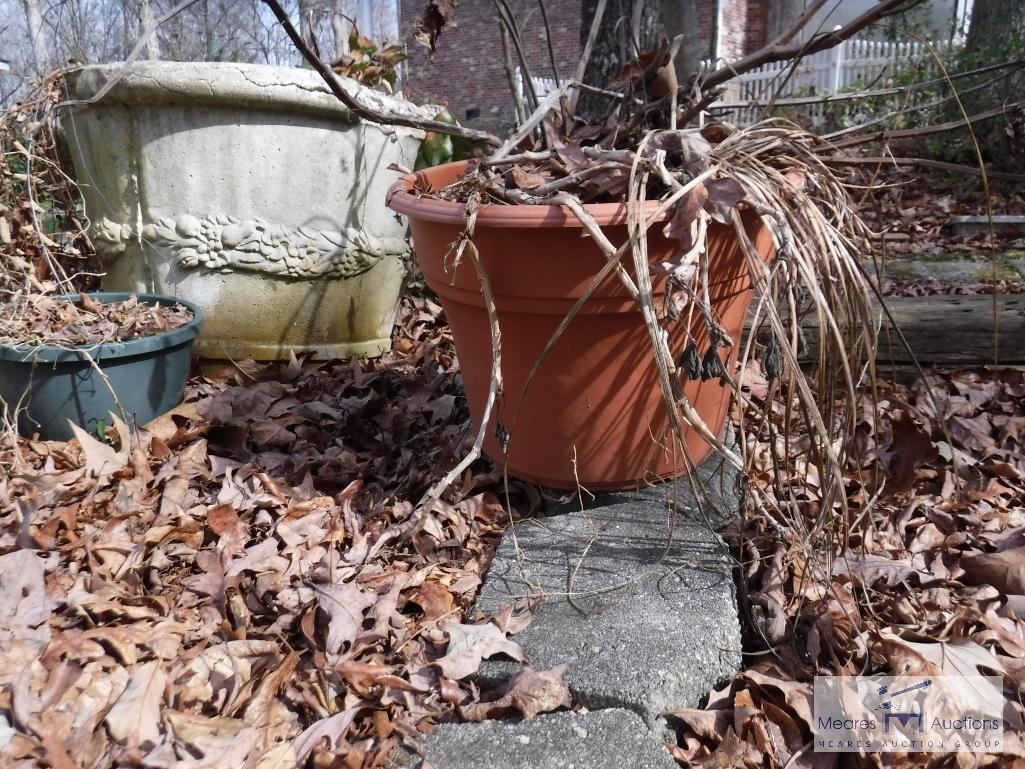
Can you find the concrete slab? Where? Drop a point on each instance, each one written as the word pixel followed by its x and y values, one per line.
pixel 606 739
pixel 1003 224
pixel 652 625
pixel 950 270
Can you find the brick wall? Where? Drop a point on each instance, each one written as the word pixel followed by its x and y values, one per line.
pixel 744 25
pixel 468 70
pixel 706 25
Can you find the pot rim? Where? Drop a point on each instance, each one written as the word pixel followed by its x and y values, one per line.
pixel 45 353
pixel 401 200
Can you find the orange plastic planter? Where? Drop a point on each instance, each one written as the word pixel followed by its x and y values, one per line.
pixel 593 412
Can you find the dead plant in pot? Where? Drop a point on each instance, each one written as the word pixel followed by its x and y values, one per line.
pixel 597 274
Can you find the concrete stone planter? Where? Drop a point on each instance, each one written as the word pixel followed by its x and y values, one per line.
pixel 249 191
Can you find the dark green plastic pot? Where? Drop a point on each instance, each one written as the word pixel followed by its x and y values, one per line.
pixel 47 386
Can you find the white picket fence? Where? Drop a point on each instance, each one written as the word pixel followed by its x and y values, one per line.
pixel 542 85
pixel 854 63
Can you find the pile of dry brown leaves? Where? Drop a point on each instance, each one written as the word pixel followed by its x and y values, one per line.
pixel 914 206
pixel 233 585
pixel 85 321
pixel 932 582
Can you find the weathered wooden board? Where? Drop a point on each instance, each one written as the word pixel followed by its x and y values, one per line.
pixel 950 331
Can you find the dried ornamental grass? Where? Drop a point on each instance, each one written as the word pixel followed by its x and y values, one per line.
pixel 43 245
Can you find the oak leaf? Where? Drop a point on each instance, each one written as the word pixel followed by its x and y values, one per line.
pixel 469 645
pixel 135 717
pixel 529 692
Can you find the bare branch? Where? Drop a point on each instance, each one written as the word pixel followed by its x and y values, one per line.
pixel 510 74
pixel 829 98
pixel 801 22
pixel 955 168
pixel 820 42
pixel 929 130
pixel 885 118
pixel 362 110
pixel 585 56
pixel 548 39
pixel 524 129
pixel 509 23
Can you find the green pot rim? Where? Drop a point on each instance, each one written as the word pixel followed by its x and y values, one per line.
pixel 43 353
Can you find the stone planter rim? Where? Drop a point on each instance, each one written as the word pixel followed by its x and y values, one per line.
pixel 232 85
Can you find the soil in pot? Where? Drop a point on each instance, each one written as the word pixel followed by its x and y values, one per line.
pixel 84 358
pixel 593 412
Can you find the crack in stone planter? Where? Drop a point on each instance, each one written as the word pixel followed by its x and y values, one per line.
pixel 250 191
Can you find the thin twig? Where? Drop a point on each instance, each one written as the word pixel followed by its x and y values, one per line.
pixel 528 126
pixel 913 108
pixel 548 39
pixel 928 130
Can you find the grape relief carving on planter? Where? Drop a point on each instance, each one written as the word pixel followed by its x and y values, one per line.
pixel 226 244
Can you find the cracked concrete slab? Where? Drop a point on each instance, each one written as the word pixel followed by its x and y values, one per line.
pixel 606 739
pixel 652 624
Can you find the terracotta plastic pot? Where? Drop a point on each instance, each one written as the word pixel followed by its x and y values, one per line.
pixel 593 412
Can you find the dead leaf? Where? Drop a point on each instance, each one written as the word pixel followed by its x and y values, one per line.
pixel 435 600
pixel 135 717
pixel 469 645
pixel 870 569
pixel 960 658
pixel 25 608
pixel 526 180
pixel 344 604
pixel 1004 570
pixel 911 448
pixel 332 729
pixel 225 523
pixel 723 196
pixel 528 692
pixel 101 459
pixel 681 224
pixel 436 16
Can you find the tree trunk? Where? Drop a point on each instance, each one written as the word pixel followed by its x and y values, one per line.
pixel 783 14
pixel 38 36
pixel 308 22
pixel 625 31
pixel 995 22
pixel 997 33
pixel 680 17
pixel 340 27
pixel 148 23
